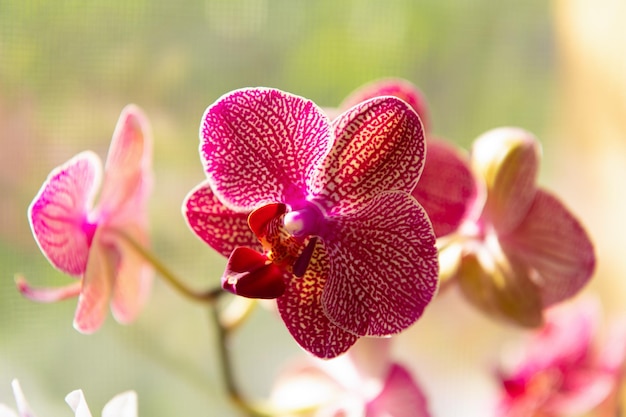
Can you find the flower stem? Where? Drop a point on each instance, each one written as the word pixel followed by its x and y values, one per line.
pixel 205 296
pixel 254 410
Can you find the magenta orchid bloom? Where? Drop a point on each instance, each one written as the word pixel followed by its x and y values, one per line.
pixel 92 243
pixel 317 214
pixel 563 371
pixel 363 383
pixel 447 188
pixel 520 250
pixel 122 405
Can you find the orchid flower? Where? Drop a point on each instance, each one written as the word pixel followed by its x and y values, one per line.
pixel 563 371
pixel 520 250
pixel 362 383
pixel 122 405
pixel 92 243
pixel 447 188
pixel 317 214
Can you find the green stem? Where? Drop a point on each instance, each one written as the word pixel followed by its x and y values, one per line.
pixel 205 296
pixel 253 410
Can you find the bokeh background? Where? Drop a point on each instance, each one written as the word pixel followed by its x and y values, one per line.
pixel 68 67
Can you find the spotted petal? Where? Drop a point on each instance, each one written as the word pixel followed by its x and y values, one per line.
pixel 128 175
pixel 447 189
pixel 379 146
pixel 383 266
pixel 396 87
pixel 304 316
pixel 553 242
pixel 260 145
pixel 222 228
pixel 58 214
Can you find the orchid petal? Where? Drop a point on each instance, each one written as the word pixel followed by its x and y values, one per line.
pixel 222 228
pixel 127 178
pixel 383 269
pixel 122 405
pixel 58 214
pixel 379 147
pixel 503 290
pixel 97 284
pixel 400 397
pixel 133 276
pixel 78 404
pixel 566 337
pixel 553 242
pixel 251 274
pixel 447 189
pixel 20 400
pixel 261 145
pixel 508 160
pixel 396 87
pixel 47 295
pixel 304 316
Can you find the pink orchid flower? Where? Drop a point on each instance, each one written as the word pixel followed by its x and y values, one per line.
pixel 520 249
pixel 317 214
pixel 563 371
pixel 91 243
pixel 122 405
pixel 447 188
pixel 362 383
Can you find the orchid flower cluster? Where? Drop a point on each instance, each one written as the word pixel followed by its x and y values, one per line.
pixel 352 219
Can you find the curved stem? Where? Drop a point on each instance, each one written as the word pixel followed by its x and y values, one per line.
pixel 205 296
pixel 254 410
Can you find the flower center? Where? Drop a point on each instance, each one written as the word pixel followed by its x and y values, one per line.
pixel 288 246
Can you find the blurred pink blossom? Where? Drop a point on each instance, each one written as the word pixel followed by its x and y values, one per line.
pixel 91 243
pixel 565 369
pixel 362 383
pixel 519 250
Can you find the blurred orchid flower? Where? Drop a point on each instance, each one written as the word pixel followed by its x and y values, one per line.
pixel 563 370
pixel 362 383
pixel 318 214
pixel 122 405
pixel 92 243
pixel 447 188
pixel 520 250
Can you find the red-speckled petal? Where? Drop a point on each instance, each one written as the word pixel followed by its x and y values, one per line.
pixel 261 145
pixel 222 228
pixel 383 266
pixel 95 294
pixel 397 87
pixel 58 214
pixel 553 242
pixel 304 316
pixel 447 189
pixel 379 146
pixel 127 171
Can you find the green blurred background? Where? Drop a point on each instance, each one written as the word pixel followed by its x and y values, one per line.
pixel 68 67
